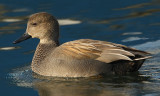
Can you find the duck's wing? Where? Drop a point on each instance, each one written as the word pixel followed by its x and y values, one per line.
pixel 99 50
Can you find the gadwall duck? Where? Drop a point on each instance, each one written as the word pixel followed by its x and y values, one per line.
pixel 79 58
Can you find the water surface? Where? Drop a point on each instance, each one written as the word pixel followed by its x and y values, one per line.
pixel 132 23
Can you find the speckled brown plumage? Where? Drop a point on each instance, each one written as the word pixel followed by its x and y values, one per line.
pixel 41 52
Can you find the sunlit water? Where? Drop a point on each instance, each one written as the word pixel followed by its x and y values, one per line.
pixel 132 23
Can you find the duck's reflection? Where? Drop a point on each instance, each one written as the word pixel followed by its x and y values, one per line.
pixel 109 86
pixel 52 88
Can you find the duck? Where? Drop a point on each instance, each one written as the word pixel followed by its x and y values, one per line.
pixel 78 58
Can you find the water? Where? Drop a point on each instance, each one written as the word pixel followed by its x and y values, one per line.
pixel 132 23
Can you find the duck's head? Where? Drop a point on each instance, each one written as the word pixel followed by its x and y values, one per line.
pixel 43 26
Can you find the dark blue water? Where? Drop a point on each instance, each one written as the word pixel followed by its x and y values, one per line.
pixel 132 23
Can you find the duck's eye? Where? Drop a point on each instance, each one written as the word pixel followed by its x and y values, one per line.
pixel 34 24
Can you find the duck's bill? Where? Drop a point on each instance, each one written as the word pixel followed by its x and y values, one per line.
pixel 25 36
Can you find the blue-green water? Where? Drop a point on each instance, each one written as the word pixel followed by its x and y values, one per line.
pixel 132 23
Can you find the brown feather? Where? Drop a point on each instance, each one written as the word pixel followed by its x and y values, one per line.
pixel 111 57
pixel 100 50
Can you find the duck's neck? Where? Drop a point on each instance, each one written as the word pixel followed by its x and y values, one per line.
pixel 42 50
pixel 49 41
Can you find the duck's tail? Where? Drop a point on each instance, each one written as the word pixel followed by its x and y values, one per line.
pixel 142 58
